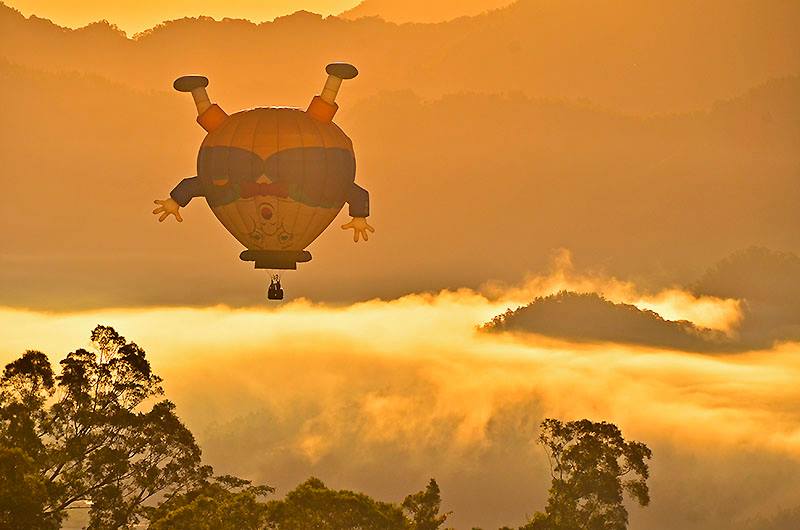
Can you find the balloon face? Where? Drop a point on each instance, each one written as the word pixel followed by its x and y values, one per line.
pixel 276 177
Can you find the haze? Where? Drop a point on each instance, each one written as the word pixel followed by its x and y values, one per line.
pixel 645 153
pixel 545 149
pixel 412 381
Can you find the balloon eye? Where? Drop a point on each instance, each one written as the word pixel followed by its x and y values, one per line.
pixel 266 212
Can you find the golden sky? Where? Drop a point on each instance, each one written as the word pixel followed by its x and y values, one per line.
pixel 134 16
pixel 550 148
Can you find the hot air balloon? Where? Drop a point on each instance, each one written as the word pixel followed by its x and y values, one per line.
pixel 275 177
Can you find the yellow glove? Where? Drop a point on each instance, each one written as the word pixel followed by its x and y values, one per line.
pixel 166 208
pixel 360 227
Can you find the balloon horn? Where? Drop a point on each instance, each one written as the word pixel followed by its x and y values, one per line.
pixel 323 107
pixel 209 115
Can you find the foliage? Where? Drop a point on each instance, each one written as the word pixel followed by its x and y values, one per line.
pixel 423 508
pixel 222 503
pixel 591 466
pixel 23 494
pixel 313 506
pixel 86 434
pixel 229 503
pixel 96 432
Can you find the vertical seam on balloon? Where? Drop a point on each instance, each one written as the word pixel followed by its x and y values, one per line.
pixel 325 180
pixel 277 173
pixel 350 152
pixel 253 150
pixel 303 183
pixel 238 205
pixel 221 210
pixel 262 170
pixel 321 135
pixel 241 223
pixel 224 217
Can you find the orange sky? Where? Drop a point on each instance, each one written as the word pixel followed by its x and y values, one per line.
pixel 137 15
pixel 666 148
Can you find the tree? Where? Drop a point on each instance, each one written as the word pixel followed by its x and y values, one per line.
pixel 312 506
pixel 223 503
pixel 591 466
pixel 423 508
pixel 86 434
pixel 23 494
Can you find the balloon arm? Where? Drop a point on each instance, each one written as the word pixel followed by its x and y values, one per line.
pixel 358 199
pixel 186 190
pixel 166 208
pixel 360 228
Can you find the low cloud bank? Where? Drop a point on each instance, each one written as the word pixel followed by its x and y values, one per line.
pixel 381 395
pixel 748 301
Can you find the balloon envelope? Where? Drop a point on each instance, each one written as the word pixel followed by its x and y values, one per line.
pixel 275 177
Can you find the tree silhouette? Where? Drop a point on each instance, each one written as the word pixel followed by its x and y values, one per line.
pixel 313 506
pixel 591 465
pixel 96 433
pixel 222 503
pixel 86 435
pixel 23 493
pixel 423 508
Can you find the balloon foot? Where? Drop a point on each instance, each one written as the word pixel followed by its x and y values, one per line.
pixel 276 259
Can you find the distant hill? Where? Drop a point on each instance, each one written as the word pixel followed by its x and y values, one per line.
pixel 769 282
pixel 591 318
pixel 636 57
pixel 766 281
pixel 422 11
pixel 756 274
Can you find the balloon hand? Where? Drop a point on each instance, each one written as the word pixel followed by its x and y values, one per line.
pixel 166 208
pixel 360 228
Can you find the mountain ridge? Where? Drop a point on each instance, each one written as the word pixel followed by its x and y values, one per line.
pixel 542 49
pixel 422 12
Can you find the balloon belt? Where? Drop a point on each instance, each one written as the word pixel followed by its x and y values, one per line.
pixel 252 189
